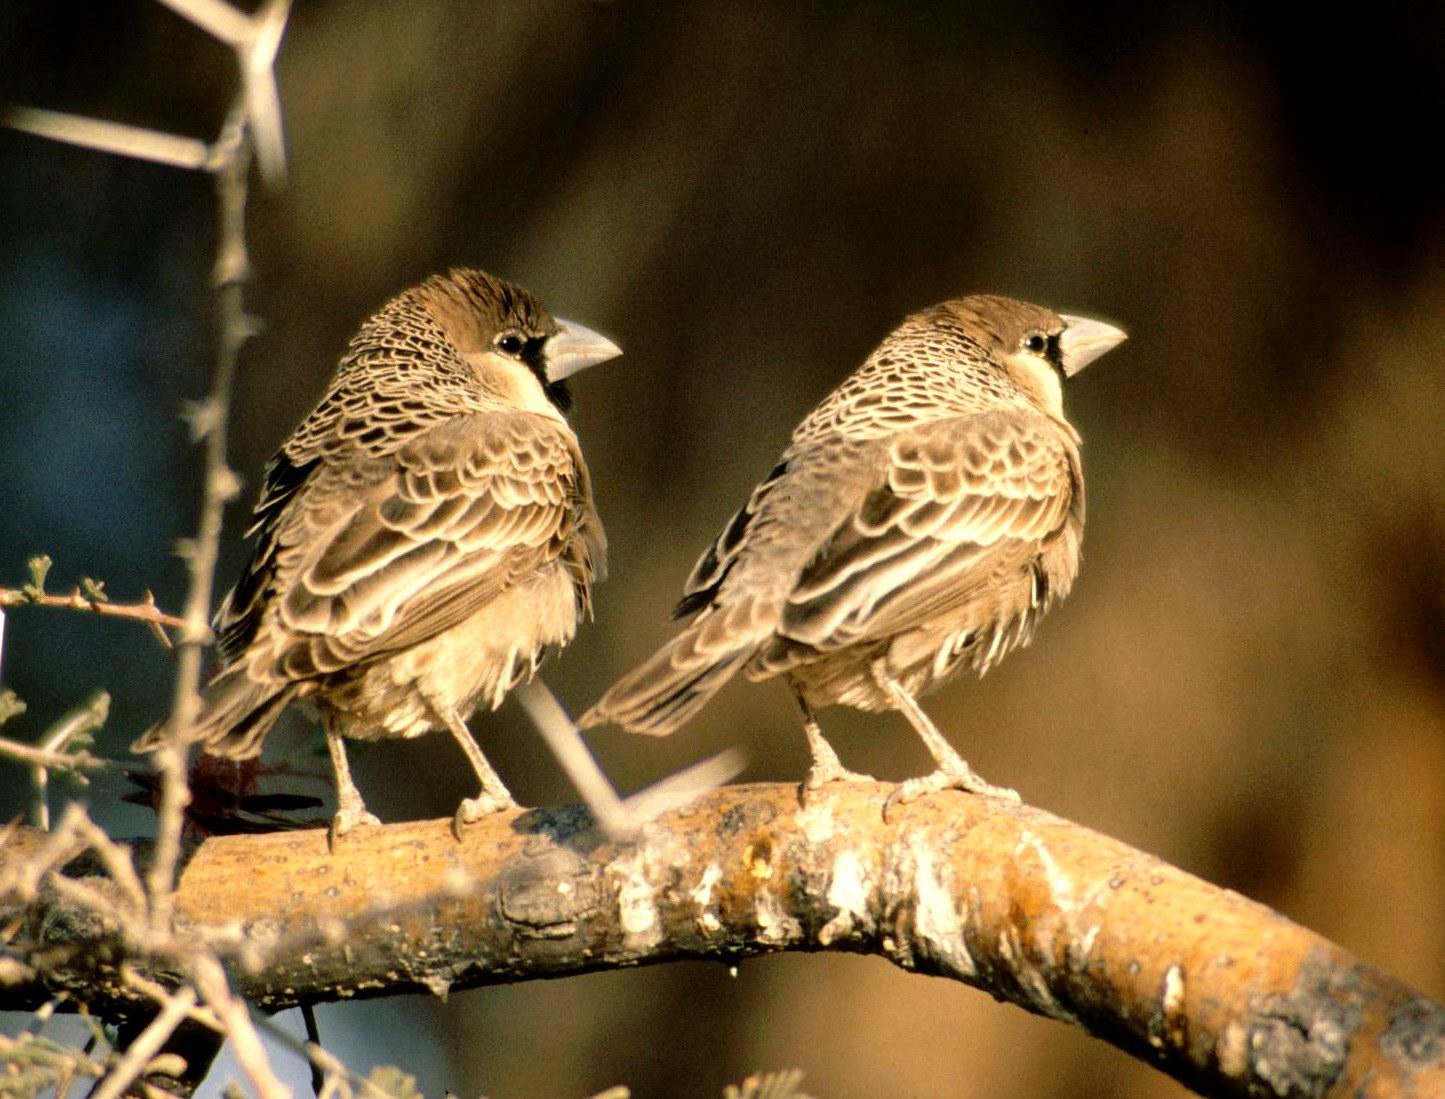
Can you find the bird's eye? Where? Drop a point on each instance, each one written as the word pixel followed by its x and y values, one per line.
pixel 510 343
pixel 1036 342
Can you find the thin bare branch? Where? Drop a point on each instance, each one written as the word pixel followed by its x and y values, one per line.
pixel 31 858
pixel 68 738
pixel 681 787
pixel 116 860
pixel 43 757
pixel 210 980
pixel 133 1062
pixel 158 992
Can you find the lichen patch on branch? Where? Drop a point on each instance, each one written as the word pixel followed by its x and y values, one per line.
pixel 701 895
pixel 937 920
pixel 848 894
pixel 636 911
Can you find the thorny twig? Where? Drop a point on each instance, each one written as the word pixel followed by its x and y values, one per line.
pixel 88 595
pixel 254 124
pixel 208 425
pixel 256 40
pixel 64 748
pixel 145 611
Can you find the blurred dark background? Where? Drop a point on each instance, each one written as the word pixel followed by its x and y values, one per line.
pixel 1250 677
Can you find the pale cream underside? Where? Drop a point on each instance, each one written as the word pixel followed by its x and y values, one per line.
pixel 471 665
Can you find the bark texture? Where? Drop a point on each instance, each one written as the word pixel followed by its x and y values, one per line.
pixel 1223 994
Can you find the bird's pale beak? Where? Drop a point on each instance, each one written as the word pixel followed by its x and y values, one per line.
pixel 576 347
pixel 1084 340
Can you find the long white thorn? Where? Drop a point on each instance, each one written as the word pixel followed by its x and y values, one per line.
pixel 110 137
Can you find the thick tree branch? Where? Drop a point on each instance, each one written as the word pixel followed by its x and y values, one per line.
pixel 1219 992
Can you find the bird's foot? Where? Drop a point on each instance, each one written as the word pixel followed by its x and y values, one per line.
pixel 474 809
pixel 347 820
pixel 959 776
pixel 825 773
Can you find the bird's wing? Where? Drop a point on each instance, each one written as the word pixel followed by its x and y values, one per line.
pixel 712 568
pixel 373 555
pixel 957 499
pixel 239 615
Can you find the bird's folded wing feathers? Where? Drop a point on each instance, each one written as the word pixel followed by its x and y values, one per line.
pixel 378 555
pixel 957 498
pixel 712 567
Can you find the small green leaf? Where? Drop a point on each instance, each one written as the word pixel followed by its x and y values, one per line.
pixel 39 570
pixel 94 590
pixel 10 705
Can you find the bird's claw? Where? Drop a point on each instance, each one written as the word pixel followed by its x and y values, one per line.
pixel 474 809
pixel 965 779
pixel 347 820
pixel 824 774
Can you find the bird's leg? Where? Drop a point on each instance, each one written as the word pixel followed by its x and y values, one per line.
pixel 350 808
pixel 494 796
pixel 952 772
pixel 826 766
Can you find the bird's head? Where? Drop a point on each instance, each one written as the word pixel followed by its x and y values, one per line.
pixel 1037 347
pixel 518 350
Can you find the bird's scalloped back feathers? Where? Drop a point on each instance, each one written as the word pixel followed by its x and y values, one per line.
pixel 959 498
pixel 455 518
pixel 404 370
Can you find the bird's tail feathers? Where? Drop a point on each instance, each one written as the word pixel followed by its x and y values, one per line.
pixel 678 680
pixel 659 696
pixel 236 714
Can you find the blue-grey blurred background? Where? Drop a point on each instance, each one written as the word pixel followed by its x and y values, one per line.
pixel 1250 677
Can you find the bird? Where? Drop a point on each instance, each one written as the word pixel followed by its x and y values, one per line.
pixel 422 539
pixel 922 520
